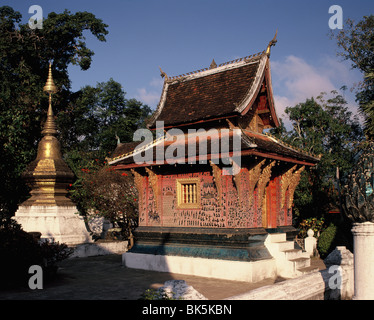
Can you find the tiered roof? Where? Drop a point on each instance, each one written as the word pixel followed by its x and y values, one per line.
pixel 238 89
pixel 229 89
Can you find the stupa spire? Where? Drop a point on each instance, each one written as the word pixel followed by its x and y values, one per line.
pixel 48 175
pixel 50 87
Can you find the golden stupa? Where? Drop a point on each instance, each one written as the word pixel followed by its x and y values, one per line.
pixel 48 175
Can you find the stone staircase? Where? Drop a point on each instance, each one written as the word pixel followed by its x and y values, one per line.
pixel 290 262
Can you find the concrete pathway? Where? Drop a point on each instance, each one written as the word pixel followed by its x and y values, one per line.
pixel 104 278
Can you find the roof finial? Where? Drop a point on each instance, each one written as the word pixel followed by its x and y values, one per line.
pixel 163 74
pixel 213 65
pixel 118 139
pixel 272 43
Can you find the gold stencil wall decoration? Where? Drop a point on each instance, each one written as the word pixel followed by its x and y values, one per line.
pixel 237 179
pixel 153 179
pixel 217 177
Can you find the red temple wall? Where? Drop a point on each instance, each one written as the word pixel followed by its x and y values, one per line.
pixel 231 210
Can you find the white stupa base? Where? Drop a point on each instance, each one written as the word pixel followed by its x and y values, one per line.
pixel 58 223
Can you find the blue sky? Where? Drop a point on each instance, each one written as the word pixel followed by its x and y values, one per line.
pixel 183 36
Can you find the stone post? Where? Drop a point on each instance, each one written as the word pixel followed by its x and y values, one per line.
pixel 310 243
pixel 358 204
pixel 363 240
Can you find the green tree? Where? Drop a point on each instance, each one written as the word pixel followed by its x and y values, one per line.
pixel 323 126
pixel 356 42
pixel 97 117
pixel 24 57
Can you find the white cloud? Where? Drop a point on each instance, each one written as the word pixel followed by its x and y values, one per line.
pixel 148 97
pixel 157 82
pixel 295 80
pixel 151 96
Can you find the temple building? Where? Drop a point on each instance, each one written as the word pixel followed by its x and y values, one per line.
pixel 216 191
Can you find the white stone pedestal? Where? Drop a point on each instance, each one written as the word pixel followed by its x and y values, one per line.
pixel 59 223
pixel 310 243
pixel 363 241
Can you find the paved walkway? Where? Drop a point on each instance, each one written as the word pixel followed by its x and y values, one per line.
pixel 104 278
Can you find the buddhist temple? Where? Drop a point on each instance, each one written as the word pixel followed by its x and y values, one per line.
pixel 215 190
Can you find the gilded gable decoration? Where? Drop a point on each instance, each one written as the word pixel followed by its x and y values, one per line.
pixel 285 183
pixel 254 176
pixel 293 184
pixel 264 180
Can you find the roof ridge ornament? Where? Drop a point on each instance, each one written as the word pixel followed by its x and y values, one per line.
pixel 271 43
pixel 213 65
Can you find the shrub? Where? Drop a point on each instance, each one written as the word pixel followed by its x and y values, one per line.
pixel 317 225
pixel 19 250
pixel 108 193
pixel 153 294
pixel 52 253
pixel 326 241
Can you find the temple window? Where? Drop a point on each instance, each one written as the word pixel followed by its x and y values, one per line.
pixel 188 193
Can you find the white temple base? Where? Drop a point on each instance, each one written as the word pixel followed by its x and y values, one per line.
pixel 57 223
pixel 203 267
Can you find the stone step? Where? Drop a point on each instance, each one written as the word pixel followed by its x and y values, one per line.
pixel 300 263
pixel 277 237
pixel 306 270
pixel 284 245
pixel 293 254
